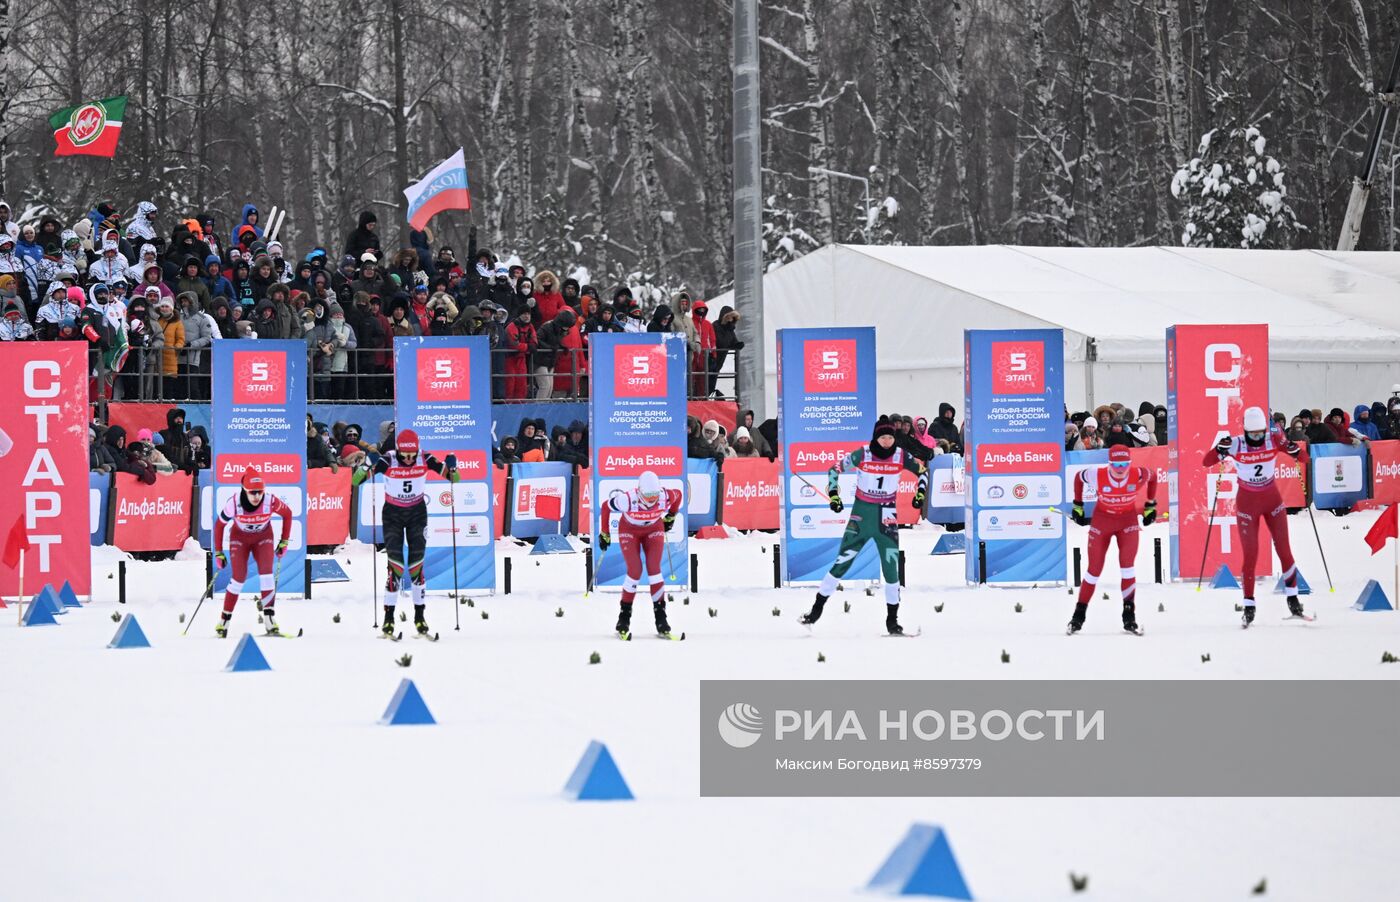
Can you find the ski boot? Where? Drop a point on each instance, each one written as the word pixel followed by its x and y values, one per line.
pixel 1076 620
pixel 269 624
pixel 388 628
pixel 419 621
pixel 1248 617
pixel 815 614
pixel 1130 623
pixel 663 627
pixel 1295 607
pixel 221 628
pixel 892 620
pixel 624 620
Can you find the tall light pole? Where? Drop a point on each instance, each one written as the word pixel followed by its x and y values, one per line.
pixel 748 209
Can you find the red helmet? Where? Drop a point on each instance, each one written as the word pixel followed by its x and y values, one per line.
pixel 253 480
pixel 1118 456
pixel 406 442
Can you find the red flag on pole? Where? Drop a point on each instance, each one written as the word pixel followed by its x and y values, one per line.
pixel 16 541
pixel 1387 526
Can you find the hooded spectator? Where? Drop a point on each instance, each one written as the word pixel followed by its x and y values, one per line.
pixel 944 428
pixel 1361 425
pixel 554 353
pixel 1340 425
pixel 662 320
pixel 127 460
pixel 531 437
pixel 508 453
pixel 143 226
pixel 364 237
pixel 549 300
pixel 704 362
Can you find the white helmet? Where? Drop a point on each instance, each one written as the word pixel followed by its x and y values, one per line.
pixel 649 488
pixel 1255 420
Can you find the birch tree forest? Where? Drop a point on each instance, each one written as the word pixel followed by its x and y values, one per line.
pixel 597 132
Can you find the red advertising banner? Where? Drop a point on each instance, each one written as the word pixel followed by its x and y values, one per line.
pixel 327 506
pixel 751 493
pixel 583 515
pixel 44 465
pixel 133 416
pixel 152 517
pixel 1213 374
pixel 1385 472
pixel 1288 473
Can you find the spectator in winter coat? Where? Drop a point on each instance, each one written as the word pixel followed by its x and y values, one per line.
pixel 191 281
pixel 222 315
pixel 1393 432
pixel 905 439
pixel 198 456
pixel 685 323
pixel 400 323
pixel 1380 418
pixel 143 226
pixel 573 296
pixel 154 276
pixel 714 435
pixel 318 453
pixel 344 341
pixel 703 364
pixel 421 241
pixel 559 445
pixel 760 441
pixel 1316 432
pixel 110 266
pixel 7 225
pixel 172 337
pixel 520 343
pixel 1117 434
pixel 214 279
pixel 125 461
pixel 550 337
pixel 199 334
pixel 14 326
pixel 248 219
pixel 662 320
pixel 531 437
pixel 364 237
pixel 153 453
pixel 921 433
pixel 1143 430
pixel 508 453
pixel 1361 425
pixel 726 340
pixel 549 300
pixel 1089 437
pixel 263 276
pixel 57 311
pixel 696 445
pixel 575 449
pixel 1340 425
pixel 943 428
pixel 265 322
pixel 603 321
pixel 743 443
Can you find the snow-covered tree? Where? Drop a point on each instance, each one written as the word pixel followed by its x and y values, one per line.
pixel 1235 194
pixel 784 238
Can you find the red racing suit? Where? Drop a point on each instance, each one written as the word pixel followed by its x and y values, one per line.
pixel 641 534
pixel 250 533
pixel 1258 500
pixel 1115 516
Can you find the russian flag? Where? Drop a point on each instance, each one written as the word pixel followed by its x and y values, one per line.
pixel 445 188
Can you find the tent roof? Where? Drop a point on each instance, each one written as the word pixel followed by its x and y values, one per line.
pixel 1339 305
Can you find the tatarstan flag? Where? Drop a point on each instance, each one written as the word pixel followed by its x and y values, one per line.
pixel 89 129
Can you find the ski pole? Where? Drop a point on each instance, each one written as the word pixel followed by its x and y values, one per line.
pixel 1210 524
pixel 456 602
pixel 208 591
pixel 373 554
pixel 1308 501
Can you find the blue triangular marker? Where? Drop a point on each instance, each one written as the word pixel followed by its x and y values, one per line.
pixel 1224 579
pixel 129 635
pixel 596 778
pixel 552 543
pixel 921 865
pixel 407 708
pixel 40 612
pixel 1303 587
pixel 1372 598
pixel 68 596
pixel 48 595
pixel 951 543
pixel 326 570
pixel 247 656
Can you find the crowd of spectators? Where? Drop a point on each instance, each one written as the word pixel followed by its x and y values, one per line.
pixel 150 303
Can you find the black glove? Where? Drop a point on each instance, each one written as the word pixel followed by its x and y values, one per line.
pixel 1293 449
pixel 450 462
pixel 668 521
pixel 1149 512
pixel 835 498
pixel 1077 515
pixel 604 540
pixel 919 499
pixel 1222 447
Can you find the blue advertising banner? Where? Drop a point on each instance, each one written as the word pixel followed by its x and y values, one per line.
pixel 442 391
pixel 1014 437
pixel 259 420
pixel 531 482
pixel 702 480
pixel 946 481
pixel 637 422
pixel 99 489
pixel 1341 475
pixel 826 409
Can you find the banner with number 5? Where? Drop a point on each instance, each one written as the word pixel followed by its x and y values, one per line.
pixel 258 418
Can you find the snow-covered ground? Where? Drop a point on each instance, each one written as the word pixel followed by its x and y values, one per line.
pixel 153 775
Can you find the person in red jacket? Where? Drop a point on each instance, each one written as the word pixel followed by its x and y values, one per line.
pixel 571 364
pixel 1115 517
pixel 704 360
pixel 520 346
pixel 548 299
pixel 644 515
pixel 248 521
pixel 1259 500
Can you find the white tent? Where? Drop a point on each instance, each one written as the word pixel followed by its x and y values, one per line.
pixel 1334 318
